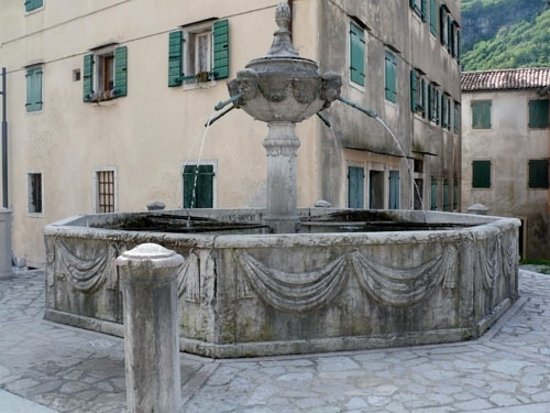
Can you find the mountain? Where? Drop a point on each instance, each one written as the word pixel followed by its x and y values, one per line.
pixel 505 34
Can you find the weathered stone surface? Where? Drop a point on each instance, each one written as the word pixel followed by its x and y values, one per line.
pixel 264 294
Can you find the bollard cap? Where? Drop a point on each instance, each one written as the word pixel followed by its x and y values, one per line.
pixel 157 255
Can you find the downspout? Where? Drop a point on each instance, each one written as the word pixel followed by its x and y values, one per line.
pixel 5 200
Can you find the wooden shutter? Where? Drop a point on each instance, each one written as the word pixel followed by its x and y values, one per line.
pixel 204 188
pixel 88 77
pixel 423 10
pixel 391 77
pixel 220 41
pixel 357 54
pixel 538 113
pixel 433 17
pixel 446 196
pixel 481 174
pixel 394 190
pixel 175 58
pixel 481 114
pixel 538 173
pixel 356 187
pixel 414 89
pixel 121 71
pixel 37 88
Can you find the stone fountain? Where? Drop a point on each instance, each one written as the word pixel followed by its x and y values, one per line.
pixel 283 280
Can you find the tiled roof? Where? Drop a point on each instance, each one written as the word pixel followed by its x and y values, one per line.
pixel 502 79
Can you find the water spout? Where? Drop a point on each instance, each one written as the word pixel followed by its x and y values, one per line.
pixel 324 120
pixel 366 111
pixel 224 103
pixel 219 116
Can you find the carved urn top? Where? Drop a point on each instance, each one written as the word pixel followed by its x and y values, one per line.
pixel 282 86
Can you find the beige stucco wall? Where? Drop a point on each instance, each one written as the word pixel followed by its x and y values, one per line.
pixel 509 145
pixel 147 136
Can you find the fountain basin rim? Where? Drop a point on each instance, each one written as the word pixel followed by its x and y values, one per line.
pixel 483 228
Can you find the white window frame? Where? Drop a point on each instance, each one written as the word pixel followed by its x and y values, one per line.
pixel 99 55
pixel 114 169
pixel 191 35
pixel 29 198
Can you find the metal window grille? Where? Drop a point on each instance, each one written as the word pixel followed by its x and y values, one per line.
pixel 105 191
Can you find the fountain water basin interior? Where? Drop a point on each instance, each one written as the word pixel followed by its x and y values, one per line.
pixel 252 293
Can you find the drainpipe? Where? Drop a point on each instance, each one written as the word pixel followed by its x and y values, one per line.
pixel 5 201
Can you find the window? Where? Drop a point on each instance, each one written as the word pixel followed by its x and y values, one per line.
pixel 457 119
pixel 433 193
pixel 538 113
pixel 418 87
pixel 418 193
pixel 198 186
pixel 419 7
pixel 433 17
pixel 456 192
pixel 198 53
pixel 356 187
pixel 446 196
pixel 446 111
pixel 481 174
pixel 391 77
pixel 481 114
pixel 34 185
pixel 433 102
pixel 105 191
pixel 376 189
pixel 394 190
pixel 455 39
pixel 31 5
pixel 538 173
pixel 357 54
pixel 444 26
pixel 105 74
pixel 34 89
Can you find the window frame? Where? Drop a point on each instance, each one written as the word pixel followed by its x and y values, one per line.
pixel 191 51
pixel 97 192
pixel 394 193
pixel 31 196
pixel 97 80
pixel 363 197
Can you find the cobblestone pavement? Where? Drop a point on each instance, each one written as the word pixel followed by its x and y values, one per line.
pixel 71 370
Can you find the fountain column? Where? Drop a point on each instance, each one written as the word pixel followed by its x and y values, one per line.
pixel 281 145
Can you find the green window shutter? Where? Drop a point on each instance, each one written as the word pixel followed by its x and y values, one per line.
pixel 429 101
pixel 433 17
pixel 424 10
pixel 356 187
pixel 457 46
pixel 414 89
pixel 34 89
pixel 538 173
pixel 37 89
pixel 442 25
pixel 481 174
pixel 425 103
pixel 391 78
pixel 203 197
pixel 220 36
pixel 175 58
pixel 433 193
pixel 394 190
pixel 121 71
pixel 446 196
pixel 443 102
pixel 539 113
pixel 357 54
pixel 88 77
pixel 481 114
pixel 31 5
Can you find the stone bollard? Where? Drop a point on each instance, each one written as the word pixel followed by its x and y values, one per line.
pixel 6 270
pixel 151 350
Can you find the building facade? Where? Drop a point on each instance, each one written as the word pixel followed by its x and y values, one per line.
pixel 107 102
pixel 506 150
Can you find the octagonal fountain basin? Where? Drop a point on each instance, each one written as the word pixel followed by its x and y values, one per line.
pixel 349 280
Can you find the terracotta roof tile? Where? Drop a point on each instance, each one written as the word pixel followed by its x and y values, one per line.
pixel 525 78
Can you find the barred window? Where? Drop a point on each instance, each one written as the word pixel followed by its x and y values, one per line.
pixel 105 191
